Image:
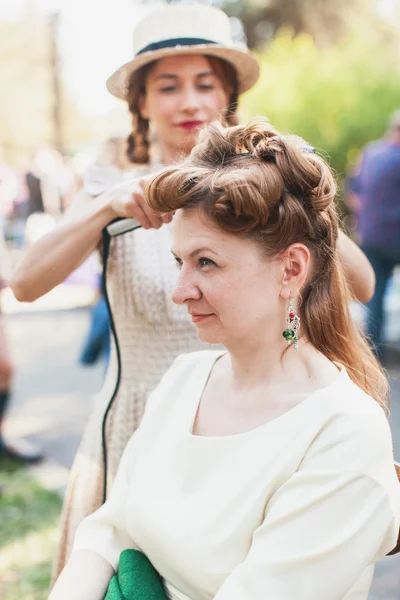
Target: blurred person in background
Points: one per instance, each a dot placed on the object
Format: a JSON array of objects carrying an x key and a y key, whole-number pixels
[
  {"x": 9, "y": 191},
  {"x": 35, "y": 198},
  {"x": 186, "y": 73},
  {"x": 58, "y": 180},
  {"x": 49, "y": 182},
  {"x": 21, "y": 450},
  {"x": 376, "y": 186},
  {"x": 97, "y": 346}
]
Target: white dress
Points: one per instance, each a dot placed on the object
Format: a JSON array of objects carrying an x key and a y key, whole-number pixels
[{"x": 299, "y": 508}]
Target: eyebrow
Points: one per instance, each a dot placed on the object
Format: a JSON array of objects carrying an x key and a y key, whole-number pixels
[
  {"x": 173, "y": 76},
  {"x": 197, "y": 251},
  {"x": 207, "y": 74},
  {"x": 166, "y": 76}
]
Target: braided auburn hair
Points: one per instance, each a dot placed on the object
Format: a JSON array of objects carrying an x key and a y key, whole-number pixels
[{"x": 138, "y": 142}]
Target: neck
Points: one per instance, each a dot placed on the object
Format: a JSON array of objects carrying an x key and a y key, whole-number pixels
[{"x": 260, "y": 362}]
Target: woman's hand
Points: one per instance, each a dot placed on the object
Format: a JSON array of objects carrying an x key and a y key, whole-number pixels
[
  {"x": 127, "y": 201},
  {"x": 55, "y": 256}
]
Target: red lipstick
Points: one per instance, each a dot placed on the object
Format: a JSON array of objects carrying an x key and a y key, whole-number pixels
[{"x": 190, "y": 124}]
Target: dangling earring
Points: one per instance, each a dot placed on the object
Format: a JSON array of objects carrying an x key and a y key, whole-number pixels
[{"x": 291, "y": 334}]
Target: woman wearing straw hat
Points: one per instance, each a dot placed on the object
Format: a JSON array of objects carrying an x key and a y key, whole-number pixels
[{"x": 186, "y": 72}]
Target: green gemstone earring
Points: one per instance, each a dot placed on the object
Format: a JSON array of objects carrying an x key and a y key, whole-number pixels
[{"x": 291, "y": 333}]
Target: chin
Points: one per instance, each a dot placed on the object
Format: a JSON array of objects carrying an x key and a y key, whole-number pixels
[
  {"x": 190, "y": 139},
  {"x": 209, "y": 337}
]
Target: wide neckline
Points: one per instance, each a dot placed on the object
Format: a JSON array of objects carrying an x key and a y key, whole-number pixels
[{"x": 342, "y": 375}]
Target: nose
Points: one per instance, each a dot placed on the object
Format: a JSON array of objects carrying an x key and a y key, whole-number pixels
[
  {"x": 185, "y": 289},
  {"x": 190, "y": 99}
]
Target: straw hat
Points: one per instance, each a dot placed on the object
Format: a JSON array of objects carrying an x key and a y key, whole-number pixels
[{"x": 181, "y": 29}]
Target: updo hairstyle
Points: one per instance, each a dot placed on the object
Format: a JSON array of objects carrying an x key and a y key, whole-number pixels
[{"x": 252, "y": 181}]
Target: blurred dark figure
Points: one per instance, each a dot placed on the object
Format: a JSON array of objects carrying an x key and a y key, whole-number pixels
[
  {"x": 97, "y": 343},
  {"x": 24, "y": 452},
  {"x": 35, "y": 199},
  {"x": 376, "y": 184},
  {"x": 8, "y": 191}
]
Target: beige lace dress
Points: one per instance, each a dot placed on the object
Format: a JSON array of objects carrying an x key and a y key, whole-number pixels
[{"x": 151, "y": 332}]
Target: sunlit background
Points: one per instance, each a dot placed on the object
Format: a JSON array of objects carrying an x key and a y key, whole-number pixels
[
  {"x": 330, "y": 73},
  {"x": 330, "y": 69}
]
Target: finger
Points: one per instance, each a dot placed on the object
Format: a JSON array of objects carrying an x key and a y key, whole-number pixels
[
  {"x": 141, "y": 217},
  {"x": 153, "y": 216},
  {"x": 167, "y": 217},
  {"x": 135, "y": 207}
]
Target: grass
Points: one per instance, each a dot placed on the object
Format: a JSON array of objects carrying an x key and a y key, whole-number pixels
[{"x": 28, "y": 534}]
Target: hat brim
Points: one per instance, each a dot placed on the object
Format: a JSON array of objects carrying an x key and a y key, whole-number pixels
[{"x": 244, "y": 61}]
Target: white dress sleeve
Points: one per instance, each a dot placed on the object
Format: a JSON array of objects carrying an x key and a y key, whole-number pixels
[
  {"x": 104, "y": 532},
  {"x": 99, "y": 178},
  {"x": 328, "y": 523}
]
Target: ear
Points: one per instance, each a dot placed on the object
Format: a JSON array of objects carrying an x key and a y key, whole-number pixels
[
  {"x": 296, "y": 263},
  {"x": 143, "y": 106}
]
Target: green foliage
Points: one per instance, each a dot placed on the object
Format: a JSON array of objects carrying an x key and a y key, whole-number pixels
[
  {"x": 28, "y": 516},
  {"x": 337, "y": 99},
  {"x": 325, "y": 20}
]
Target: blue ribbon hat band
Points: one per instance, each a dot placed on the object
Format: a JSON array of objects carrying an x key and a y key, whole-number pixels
[{"x": 173, "y": 43}]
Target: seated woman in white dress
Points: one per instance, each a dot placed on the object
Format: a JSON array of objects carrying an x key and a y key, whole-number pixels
[{"x": 263, "y": 472}]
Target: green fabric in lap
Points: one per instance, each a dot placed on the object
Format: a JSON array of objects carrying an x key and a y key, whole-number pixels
[{"x": 136, "y": 579}]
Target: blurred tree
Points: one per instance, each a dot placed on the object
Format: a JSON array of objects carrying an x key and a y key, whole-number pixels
[
  {"x": 24, "y": 76},
  {"x": 26, "y": 102},
  {"x": 325, "y": 20},
  {"x": 338, "y": 98}
]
